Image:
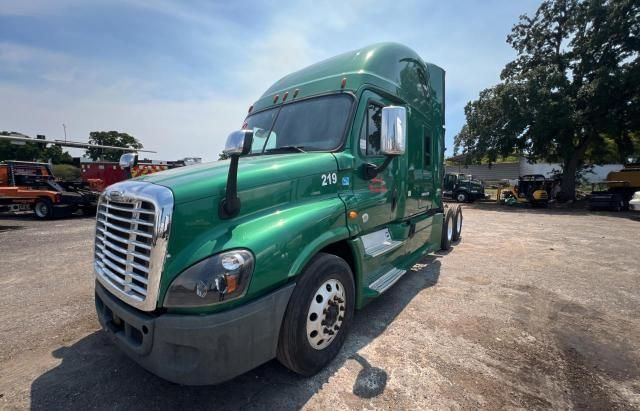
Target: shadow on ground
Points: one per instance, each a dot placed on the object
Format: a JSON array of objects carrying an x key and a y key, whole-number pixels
[{"x": 94, "y": 374}]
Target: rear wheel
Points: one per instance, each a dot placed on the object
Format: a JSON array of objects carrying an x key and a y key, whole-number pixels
[
  {"x": 43, "y": 208},
  {"x": 318, "y": 316},
  {"x": 447, "y": 231},
  {"x": 457, "y": 231}
]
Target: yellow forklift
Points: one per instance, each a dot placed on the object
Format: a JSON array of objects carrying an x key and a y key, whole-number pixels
[{"x": 530, "y": 189}]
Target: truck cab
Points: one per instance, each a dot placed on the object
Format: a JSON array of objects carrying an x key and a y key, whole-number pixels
[
  {"x": 462, "y": 188},
  {"x": 331, "y": 191}
]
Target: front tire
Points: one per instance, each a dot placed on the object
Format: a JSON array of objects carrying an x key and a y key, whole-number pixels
[{"x": 318, "y": 316}]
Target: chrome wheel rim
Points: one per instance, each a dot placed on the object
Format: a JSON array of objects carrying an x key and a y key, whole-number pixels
[
  {"x": 41, "y": 209},
  {"x": 460, "y": 197},
  {"x": 459, "y": 223},
  {"x": 326, "y": 314},
  {"x": 449, "y": 232}
]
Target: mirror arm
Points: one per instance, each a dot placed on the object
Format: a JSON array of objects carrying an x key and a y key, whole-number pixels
[
  {"x": 230, "y": 204},
  {"x": 371, "y": 170}
]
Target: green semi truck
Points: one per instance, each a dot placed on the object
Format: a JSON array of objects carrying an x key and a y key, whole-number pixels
[{"x": 332, "y": 191}]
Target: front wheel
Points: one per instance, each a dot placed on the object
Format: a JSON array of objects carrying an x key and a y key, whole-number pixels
[{"x": 318, "y": 316}]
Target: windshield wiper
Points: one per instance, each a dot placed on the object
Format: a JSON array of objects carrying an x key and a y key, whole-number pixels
[{"x": 298, "y": 149}]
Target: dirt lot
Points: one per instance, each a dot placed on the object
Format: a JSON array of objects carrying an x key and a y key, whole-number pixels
[{"x": 533, "y": 309}]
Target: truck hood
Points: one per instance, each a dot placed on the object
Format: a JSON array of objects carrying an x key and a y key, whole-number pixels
[{"x": 206, "y": 180}]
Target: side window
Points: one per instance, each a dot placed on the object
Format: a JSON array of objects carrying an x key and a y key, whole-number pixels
[
  {"x": 370, "y": 131},
  {"x": 260, "y": 137},
  {"x": 427, "y": 149}
]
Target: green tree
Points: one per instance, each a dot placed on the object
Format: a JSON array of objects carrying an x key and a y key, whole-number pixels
[
  {"x": 110, "y": 138},
  {"x": 573, "y": 88}
]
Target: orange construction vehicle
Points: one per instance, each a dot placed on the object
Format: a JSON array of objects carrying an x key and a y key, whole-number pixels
[{"x": 32, "y": 186}]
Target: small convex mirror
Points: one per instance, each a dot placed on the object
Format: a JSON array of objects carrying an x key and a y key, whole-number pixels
[
  {"x": 393, "y": 132},
  {"x": 128, "y": 160},
  {"x": 238, "y": 143}
]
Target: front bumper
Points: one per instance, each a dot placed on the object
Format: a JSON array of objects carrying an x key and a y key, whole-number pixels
[{"x": 192, "y": 349}]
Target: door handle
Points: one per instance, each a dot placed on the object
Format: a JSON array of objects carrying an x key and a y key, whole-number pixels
[{"x": 394, "y": 199}]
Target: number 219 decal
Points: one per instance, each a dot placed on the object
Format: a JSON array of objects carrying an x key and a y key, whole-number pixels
[{"x": 329, "y": 178}]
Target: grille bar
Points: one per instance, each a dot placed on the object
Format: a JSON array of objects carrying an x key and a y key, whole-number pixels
[
  {"x": 119, "y": 260},
  {"x": 117, "y": 238},
  {"x": 121, "y": 250},
  {"x": 125, "y": 220},
  {"x": 115, "y": 227},
  {"x": 137, "y": 210},
  {"x": 113, "y": 267}
]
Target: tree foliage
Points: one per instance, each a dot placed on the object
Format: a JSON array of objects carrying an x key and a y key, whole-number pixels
[
  {"x": 110, "y": 138},
  {"x": 572, "y": 92}
]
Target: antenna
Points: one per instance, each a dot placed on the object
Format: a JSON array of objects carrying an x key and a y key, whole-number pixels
[{"x": 64, "y": 127}]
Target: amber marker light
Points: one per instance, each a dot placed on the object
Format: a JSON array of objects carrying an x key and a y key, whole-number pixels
[
  {"x": 295, "y": 93},
  {"x": 353, "y": 214},
  {"x": 275, "y": 98},
  {"x": 284, "y": 97},
  {"x": 343, "y": 83}
]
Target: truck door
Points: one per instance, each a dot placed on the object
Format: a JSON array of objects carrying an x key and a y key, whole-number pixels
[
  {"x": 420, "y": 179},
  {"x": 377, "y": 198}
]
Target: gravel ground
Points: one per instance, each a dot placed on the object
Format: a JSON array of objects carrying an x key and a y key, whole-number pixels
[{"x": 532, "y": 309}]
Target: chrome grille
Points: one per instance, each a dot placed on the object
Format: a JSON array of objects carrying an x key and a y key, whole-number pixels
[{"x": 132, "y": 224}]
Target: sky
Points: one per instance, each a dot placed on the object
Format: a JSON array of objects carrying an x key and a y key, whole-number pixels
[{"x": 180, "y": 75}]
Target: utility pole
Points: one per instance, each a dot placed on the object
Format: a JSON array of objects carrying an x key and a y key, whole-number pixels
[{"x": 64, "y": 126}]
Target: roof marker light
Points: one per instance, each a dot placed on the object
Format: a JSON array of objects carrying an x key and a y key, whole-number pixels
[
  {"x": 275, "y": 98},
  {"x": 343, "y": 83},
  {"x": 295, "y": 93},
  {"x": 284, "y": 97}
]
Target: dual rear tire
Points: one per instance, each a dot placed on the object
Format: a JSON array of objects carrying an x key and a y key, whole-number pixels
[{"x": 451, "y": 227}]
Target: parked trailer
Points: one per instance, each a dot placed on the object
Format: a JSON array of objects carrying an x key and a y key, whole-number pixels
[{"x": 331, "y": 194}]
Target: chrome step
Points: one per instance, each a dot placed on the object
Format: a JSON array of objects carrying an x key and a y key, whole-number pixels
[{"x": 388, "y": 279}]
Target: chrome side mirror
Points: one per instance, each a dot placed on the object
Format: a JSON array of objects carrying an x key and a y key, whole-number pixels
[
  {"x": 238, "y": 143},
  {"x": 128, "y": 160},
  {"x": 393, "y": 132}
]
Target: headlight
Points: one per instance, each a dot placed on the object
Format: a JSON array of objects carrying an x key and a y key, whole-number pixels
[{"x": 221, "y": 277}]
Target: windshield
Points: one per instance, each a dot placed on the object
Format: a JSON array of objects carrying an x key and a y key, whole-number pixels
[{"x": 316, "y": 124}]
